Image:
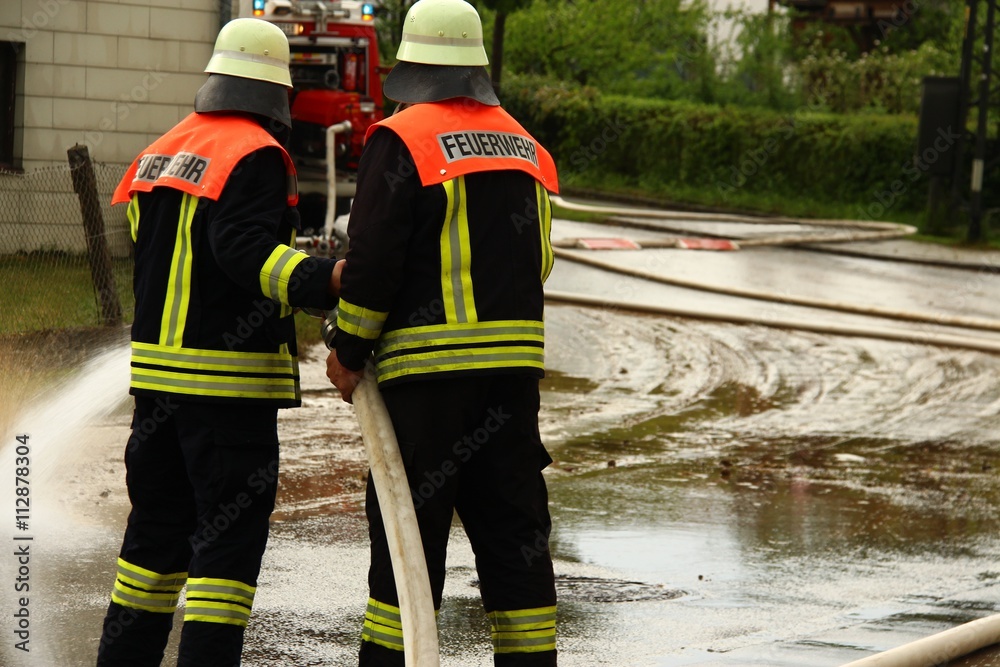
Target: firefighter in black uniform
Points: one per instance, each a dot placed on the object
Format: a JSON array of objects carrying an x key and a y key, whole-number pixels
[
  {"x": 211, "y": 208},
  {"x": 449, "y": 248}
]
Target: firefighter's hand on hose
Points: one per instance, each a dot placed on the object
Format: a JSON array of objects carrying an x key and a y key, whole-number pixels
[
  {"x": 338, "y": 269},
  {"x": 343, "y": 378}
]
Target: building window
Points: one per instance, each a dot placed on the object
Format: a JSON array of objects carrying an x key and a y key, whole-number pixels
[{"x": 9, "y": 57}]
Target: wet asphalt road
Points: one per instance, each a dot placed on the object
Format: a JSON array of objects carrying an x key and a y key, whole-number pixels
[{"x": 722, "y": 494}]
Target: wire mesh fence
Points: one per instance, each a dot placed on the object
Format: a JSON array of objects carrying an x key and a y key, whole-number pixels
[{"x": 56, "y": 271}]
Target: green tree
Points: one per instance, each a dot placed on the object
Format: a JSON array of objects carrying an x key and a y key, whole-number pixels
[
  {"x": 501, "y": 9},
  {"x": 389, "y": 27},
  {"x": 653, "y": 48},
  {"x": 754, "y": 60},
  {"x": 931, "y": 22}
]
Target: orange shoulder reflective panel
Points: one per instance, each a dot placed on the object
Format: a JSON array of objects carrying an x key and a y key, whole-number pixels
[
  {"x": 457, "y": 137},
  {"x": 198, "y": 155}
]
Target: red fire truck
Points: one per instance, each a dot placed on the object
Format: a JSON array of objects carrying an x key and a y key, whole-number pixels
[{"x": 337, "y": 94}]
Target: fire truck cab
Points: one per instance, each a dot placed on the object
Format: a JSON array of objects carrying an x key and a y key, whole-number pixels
[{"x": 335, "y": 78}]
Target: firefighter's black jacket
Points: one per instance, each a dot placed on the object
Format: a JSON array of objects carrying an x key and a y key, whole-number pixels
[
  {"x": 447, "y": 279},
  {"x": 215, "y": 332}
]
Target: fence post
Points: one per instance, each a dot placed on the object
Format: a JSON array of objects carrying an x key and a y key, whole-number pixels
[{"x": 85, "y": 186}]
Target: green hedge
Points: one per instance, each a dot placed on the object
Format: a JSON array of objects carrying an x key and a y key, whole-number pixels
[{"x": 723, "y": 155}]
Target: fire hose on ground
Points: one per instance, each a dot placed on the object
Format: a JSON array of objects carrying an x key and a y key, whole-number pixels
[
  {"x": 938, "y": 649},
  {"x": 844, "y": 230},
  {"x": 866, "y": 231}
]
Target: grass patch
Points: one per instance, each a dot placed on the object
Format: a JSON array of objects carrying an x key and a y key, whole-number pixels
[
  {"x": 679, "y": 197},
  {"x": 54, "y": 291},
  {"x": 958, "y": 240},
  {"x": 579, "y": 216}
]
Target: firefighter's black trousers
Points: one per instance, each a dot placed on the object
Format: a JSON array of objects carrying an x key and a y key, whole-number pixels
[
  {"x": 202, "y": 480},
  {"x": 471, "y": 445}
]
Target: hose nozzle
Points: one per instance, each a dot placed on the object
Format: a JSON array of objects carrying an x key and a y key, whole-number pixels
[{"x": 328, "y": 329}]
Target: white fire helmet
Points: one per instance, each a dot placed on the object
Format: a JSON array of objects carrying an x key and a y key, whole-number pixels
[
  {"x": 442, "y": 32},
  {"x": 251, "y": 49}
]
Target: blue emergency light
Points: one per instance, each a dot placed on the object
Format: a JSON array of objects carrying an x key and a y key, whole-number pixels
[
  {"x": 258, "y": 7},
  {"x": 367, "y": 11}
]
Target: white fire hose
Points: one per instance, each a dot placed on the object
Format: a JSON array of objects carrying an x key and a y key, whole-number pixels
[
  {"x": 409, "y": 567},
  {"x": 331, "y": 172},
  {"x": 938, "y": 649}
]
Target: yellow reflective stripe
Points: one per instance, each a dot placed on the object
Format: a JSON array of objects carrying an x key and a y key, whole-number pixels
[
  {"x": 175, "y": 306},
  {"x": 447, "y": 286},
  {"x": 360, "y": 321},
  {"x": 213, "y": 360},
  {"x": 384, "y": 614},
  {"x": 545, "y": 228},
  {"x": 382, "y": 635},
  {"x": 383, "y": 625},
  {"x": 133, "y": 217},
  {"x": 221, "y": 589},
  {"x": 144, "y": 589},
  {"x": 146, "y": 597},
  {"x": 523, "y": 619},
  {"x": 137, "y": 602},
  {"x": 141, "y": 577},
  {"x": 459, "y": 360},
  {"x": 277, "y": 271},
  {"x": 456, "y": 256},
  {"x": 524, "y": 630},
  {"x": 214, "y": 385},
  {"x": 207, "y": 611},
  {"x": 286, "y": 310},
  {"x": 224, "y": 583},
  {"x": 283, "y": 349},
  {"x": 491, "y": 331},
  {"x": 524, "y": 642}
]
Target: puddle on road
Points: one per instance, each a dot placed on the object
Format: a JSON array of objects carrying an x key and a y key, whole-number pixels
[
  {"x": 596, "y": 589},
  {"x": 721, "y": 495}
]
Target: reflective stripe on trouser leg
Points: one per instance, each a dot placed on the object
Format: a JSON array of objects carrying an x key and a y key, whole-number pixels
[
  {"x": 383, "y": 625},
  {"x": 218, "y": 601},
  {"x": 144, "y": 589},
  {"x": 524, "y": 630}
]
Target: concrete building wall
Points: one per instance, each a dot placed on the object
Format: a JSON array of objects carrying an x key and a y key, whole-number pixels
[{"x": 111, "y": 74}]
